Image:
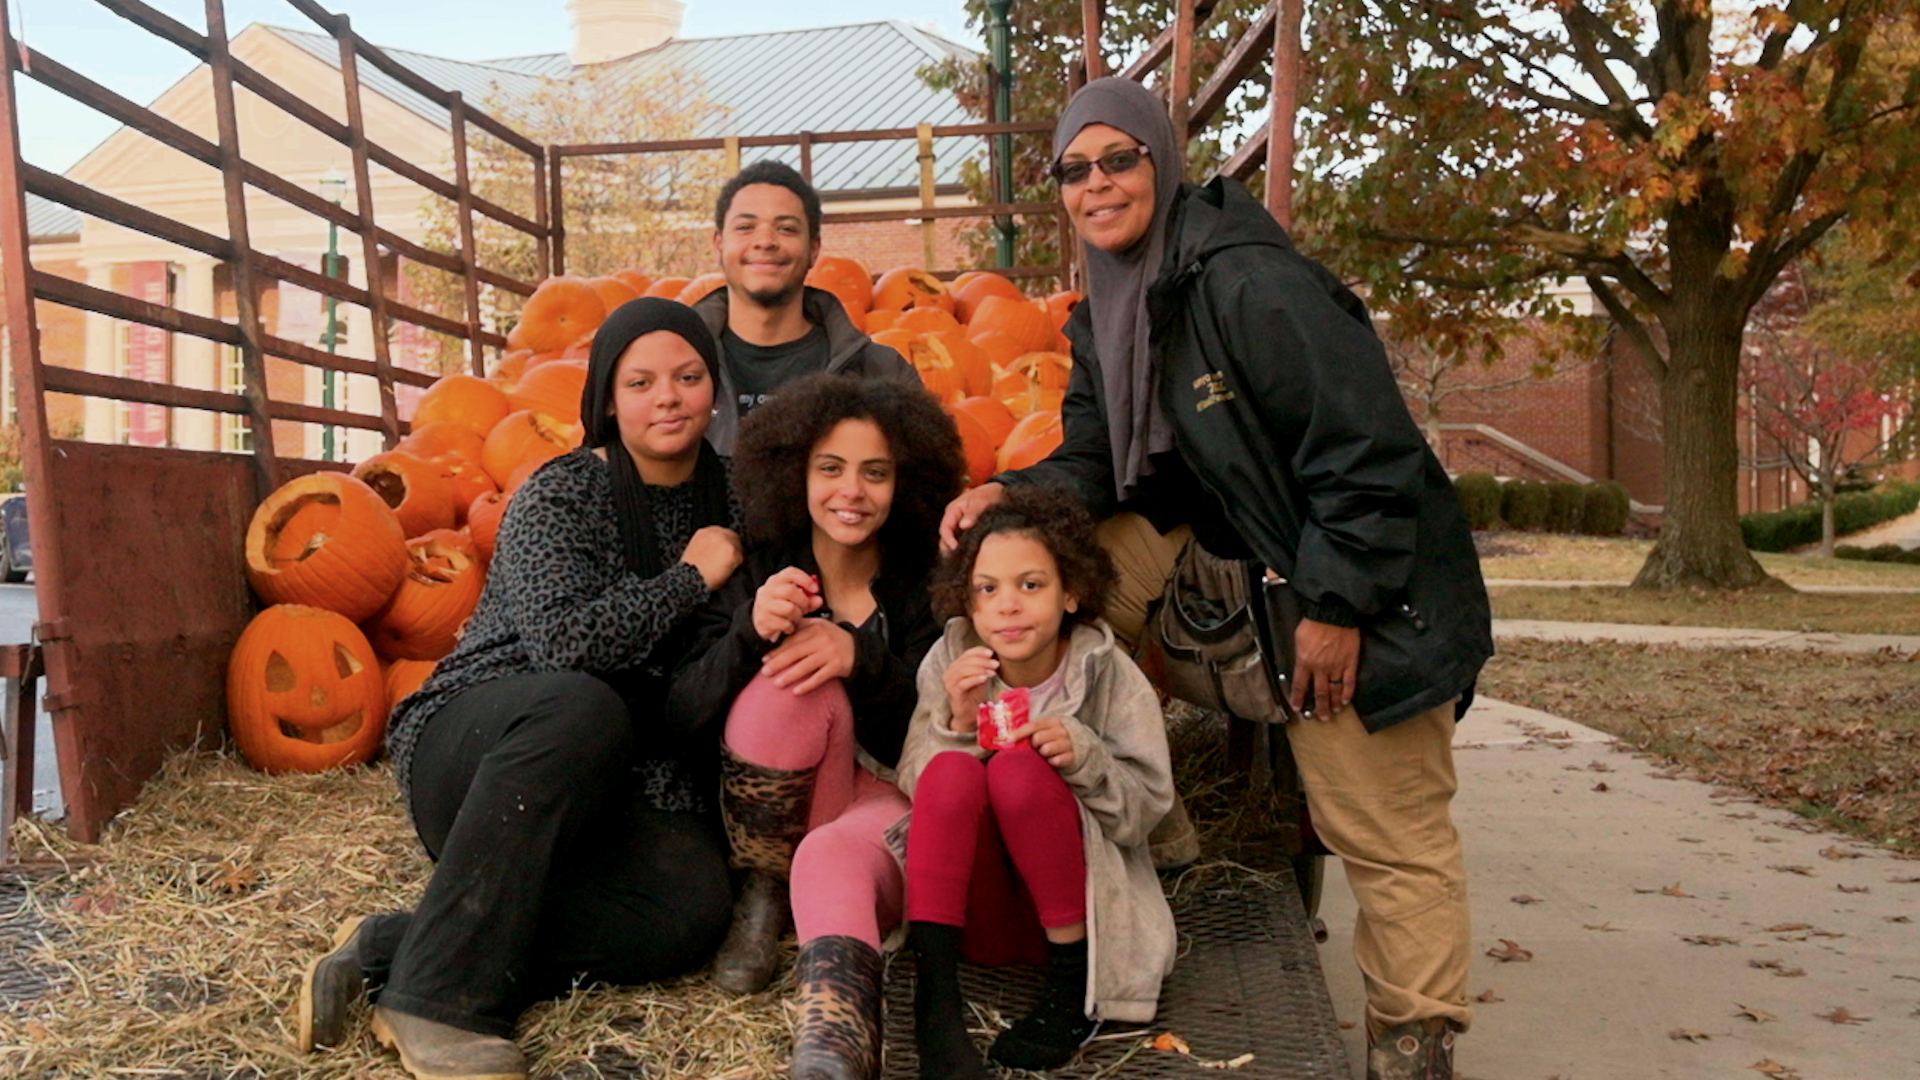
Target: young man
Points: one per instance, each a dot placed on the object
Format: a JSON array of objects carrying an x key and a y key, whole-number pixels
[{"x": 773, "y": 328}]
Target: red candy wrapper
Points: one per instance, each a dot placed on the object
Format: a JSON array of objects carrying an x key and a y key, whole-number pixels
[{"x": 1002, "y": 717}]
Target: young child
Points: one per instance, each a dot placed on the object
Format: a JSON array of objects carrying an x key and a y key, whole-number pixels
[{"x": 1040, "y": 848}]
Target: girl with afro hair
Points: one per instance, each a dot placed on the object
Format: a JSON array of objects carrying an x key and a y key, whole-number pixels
[{"x": 843, "y": 482}]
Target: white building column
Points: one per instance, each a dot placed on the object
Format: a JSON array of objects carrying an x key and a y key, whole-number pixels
[
  {"x": 197, "y": 362},
  {"x": 103, "y": 336}
]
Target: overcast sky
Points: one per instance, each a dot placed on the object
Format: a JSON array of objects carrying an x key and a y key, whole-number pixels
[{"x": 84, "y": 36}]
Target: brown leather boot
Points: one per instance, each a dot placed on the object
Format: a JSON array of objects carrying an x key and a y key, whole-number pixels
[
  {"x": 329, "y": 988},
  {"x": 431, "y": 1050},
  {"x": 838, "y": 1034},
  {"x": 1415, "y": 1050},
  {"x": 766, "y": 815},
  {"x": 1174, "y": 842}
]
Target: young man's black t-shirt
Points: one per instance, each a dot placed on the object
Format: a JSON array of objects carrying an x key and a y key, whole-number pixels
[{"x": 759, "y": 370}]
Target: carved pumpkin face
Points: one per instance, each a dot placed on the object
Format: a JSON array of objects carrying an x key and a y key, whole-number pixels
[
  {"x": 304, "y": 692},
  {"x": 327, "y": 540}
]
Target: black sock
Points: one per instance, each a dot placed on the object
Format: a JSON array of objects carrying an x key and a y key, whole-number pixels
[
  {"x": 1047, "y": 1037},
  {"x": 939, "y": 1011}
]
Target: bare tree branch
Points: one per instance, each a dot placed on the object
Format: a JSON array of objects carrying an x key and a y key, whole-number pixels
[{"x": 1629, "y": 324}]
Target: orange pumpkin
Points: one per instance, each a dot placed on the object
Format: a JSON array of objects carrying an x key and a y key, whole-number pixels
[
  {"x": 613, "y": 292},
  {"x": 304, "y": 692},
  {"x": 977, "y": 443},
  {"x": 907, "y": 287},
  {"x": 553, "y": 388},
  {"x": 1048, "y": 370},
  {"x": 470, "y": 481},
  {"x": 954, "y": 350},
  {"x": 900, "y": 341},
  {"x": 507, "y": 371},
  {"x": 943, "y": 383},
  {"x": 1031, "y": 440},
  {"x": 635, "y": 280},
  {"x": 992, "y": 414},
  {"x": 1023, "y": 321},
  {"x": 926, "y": 320},
  {"x": 521, "y": 438},
  {"x": 559, "y": 311},
  {"x": 668, "y": 288},
  {"x": 1060, "y": 307},
  {"x": 328, "y": 541},
  {"x": 472, "y": 402},
  {"x": 976, "y": 287},
  {"x": 879, "y": 321},
  {"x": 417, "y": 489},
  {"x": 1000, "y": 350},
  {"x": 444, "y": 440},
  {"x": 846, "y": 279},
  {"x": 442, "y": 587},
  {"x": 483, "y": 521},
  {"x": 699, "y": 287},
  {"x": 404, "y": 677}
]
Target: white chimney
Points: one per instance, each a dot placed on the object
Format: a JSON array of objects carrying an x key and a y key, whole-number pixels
[{"x": 610, "y": 29}]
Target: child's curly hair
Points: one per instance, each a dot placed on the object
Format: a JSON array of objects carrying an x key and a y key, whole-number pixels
[
  {"x": 777, "y": 440},
  {"x": 1060, "y": 523}
]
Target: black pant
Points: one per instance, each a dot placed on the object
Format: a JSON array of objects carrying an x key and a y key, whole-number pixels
[{"x": 549, "y": 868}]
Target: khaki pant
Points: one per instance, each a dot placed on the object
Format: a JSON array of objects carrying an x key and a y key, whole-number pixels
[{"x": 1380, "y": 802}]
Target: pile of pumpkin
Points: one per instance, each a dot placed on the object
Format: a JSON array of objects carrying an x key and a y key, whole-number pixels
[{"x": 371, "y": 576}]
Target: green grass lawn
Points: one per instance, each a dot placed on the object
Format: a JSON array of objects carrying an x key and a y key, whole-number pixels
[{"x": 1541, "y": 556}]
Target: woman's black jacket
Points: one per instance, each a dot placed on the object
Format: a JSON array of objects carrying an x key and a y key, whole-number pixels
[
  {"x": 886, "y": 656},
  {"x": 1284, "y": 407}
]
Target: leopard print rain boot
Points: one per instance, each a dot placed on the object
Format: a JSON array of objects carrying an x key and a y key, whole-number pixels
[
  {"x": 1415, "y": 1050},
  {"x": 837, "y": 1036},
  {"x": 766, "y": 815}
]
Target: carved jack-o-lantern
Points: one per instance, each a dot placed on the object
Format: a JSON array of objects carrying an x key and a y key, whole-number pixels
[{"x": 304, "y": 692}]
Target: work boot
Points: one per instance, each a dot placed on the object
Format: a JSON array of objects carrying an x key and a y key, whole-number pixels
[
  {"x": 1058, "y": 1026},
  {"x": 838, "y": 1033},
  {"x": 766, "y": 815},
  {"x": 940, "y": 1035},
  {"x": 431, "y": 1050},
  {"x": 332, "y": 983},
  {"x": 1415, "y": 1050},
  {"x": 1174, "y": 842}
]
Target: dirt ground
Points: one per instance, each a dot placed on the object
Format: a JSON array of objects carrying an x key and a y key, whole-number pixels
[
  {"x": 1840, "y": 613},
  {"x": 1545, "y": 556}
]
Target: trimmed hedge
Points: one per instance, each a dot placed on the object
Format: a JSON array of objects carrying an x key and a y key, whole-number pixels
[
  {"x": 1605, "y": 509},
  {"x": 1526, "y": 505},
  {"x": 1887, "y": 553},
  {"x": 1783, "y": 530},
  {"x": 1565, "y": 504},
  {"x": 1480, "y": 497}
]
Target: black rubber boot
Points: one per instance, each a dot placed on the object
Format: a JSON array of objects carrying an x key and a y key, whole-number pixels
[
  {"x": 1058, "y": 1026},
  {"x": 766, "y": 816},
  {"x": 939, "y": 1011},
  {"x": 838, "y": 1034}
]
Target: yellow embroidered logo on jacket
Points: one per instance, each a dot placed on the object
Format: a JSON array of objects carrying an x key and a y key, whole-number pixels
[{"x": 1215, "y": 384}]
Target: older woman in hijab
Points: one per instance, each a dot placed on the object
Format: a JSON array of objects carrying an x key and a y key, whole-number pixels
[
  {"x": 570, "y": 824},
  {"x": 1229, "y": 392}
]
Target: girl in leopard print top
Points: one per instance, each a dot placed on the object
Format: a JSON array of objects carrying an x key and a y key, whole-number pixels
[{"x": 563, "y": 809}]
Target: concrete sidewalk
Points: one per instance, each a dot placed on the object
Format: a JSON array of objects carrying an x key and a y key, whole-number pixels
[
  {"x": 1655, "y": 906},
  {"x": 1705, "y": 636}
]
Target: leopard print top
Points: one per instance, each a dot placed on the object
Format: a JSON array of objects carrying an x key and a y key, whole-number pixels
[{"x": 559, "y": 597}]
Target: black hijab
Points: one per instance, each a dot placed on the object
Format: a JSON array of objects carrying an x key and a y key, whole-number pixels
[
  {"x": 1117, "y": 281},
  {"x": 631, "y": 502}
]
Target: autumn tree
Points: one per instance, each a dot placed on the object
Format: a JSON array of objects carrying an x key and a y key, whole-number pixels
[
  {"x": 650, "y": 212},
  {"x": 1674, "y": 156}
]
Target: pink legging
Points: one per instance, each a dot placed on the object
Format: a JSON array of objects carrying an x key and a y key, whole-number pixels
[
  {"x": 845, "y": 879},
  {"x": 995, "y": 847}
]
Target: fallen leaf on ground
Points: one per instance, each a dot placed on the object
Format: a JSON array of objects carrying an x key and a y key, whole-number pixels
[
  {"x": 1904, "y": 880},
  {"x": 1709, "y": 939},
  {"x": 1523, "y": 898},
  {"x": 1675, "y": 890},
  {"x": 1839, "y": 1015},
  {"x": 1824, "y": 933},
  {"x": 1837, "y": 853},
  {"x": 1510, "y": 951},
  {"x": 1744, "y": 815},
  {"x": 1788, "y": 927},
  {"x": 1668, "y": 776},
  {"x": 1758, "y": 1016},
  {"x": 1691, "y": 840},
  {"x": 1688, "y": 1034},
  {"x": 1898, "y": 918},
  {"x": 1604, "y": 928},
  {"x": 1488, "y": 997},
  {"x": 1167, "y": 1040},
  {"x": 1778, "y": 967},
  {"x": 1853, "y": 888},
  {"x": 1775, "y": 1070},
  {"x": 1803, "y": 871},
  {"x": 1602, "y": 786}
]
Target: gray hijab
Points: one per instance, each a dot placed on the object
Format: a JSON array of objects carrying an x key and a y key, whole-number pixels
[{"x": 1117, "y": 281}]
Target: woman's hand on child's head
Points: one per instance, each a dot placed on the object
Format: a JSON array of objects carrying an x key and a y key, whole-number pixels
[
  {"x": 1051, "y": 740},
  {"x": 715, "y": 552},
  {"x": 816, "y": 651},
  {"x": 966, "y": 681},
  {"x": 783, "y": 602}
]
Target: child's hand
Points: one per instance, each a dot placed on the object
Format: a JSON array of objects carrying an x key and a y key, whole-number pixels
[
  {"x": 786, "y": 598},
  {"x": 966, "y": 682},
  {"x": 1050, "y": 739}
]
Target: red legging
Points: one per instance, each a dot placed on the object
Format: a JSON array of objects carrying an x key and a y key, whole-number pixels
[{"x": 994, "y": 846}]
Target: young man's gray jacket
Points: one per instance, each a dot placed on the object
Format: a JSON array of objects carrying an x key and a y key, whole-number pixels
[
  {"x": 850, "y": 352},
  {"x": 1283, "y": 405}
]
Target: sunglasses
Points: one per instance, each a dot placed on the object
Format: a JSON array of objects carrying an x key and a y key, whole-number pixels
[{"x": 1069, "y": 173}]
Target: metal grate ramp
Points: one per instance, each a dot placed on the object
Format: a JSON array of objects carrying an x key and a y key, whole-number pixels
[
  {"x": 22, "y": 930},
  {"x": 1247, "y": 980}
]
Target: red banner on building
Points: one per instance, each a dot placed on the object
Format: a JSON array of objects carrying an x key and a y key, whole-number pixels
[{"x": 149, "y": 352}]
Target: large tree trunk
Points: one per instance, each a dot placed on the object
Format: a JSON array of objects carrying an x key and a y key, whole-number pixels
[
  {"x": 1828, "y": 495},
  {"x": 1700, "y": 545}
]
